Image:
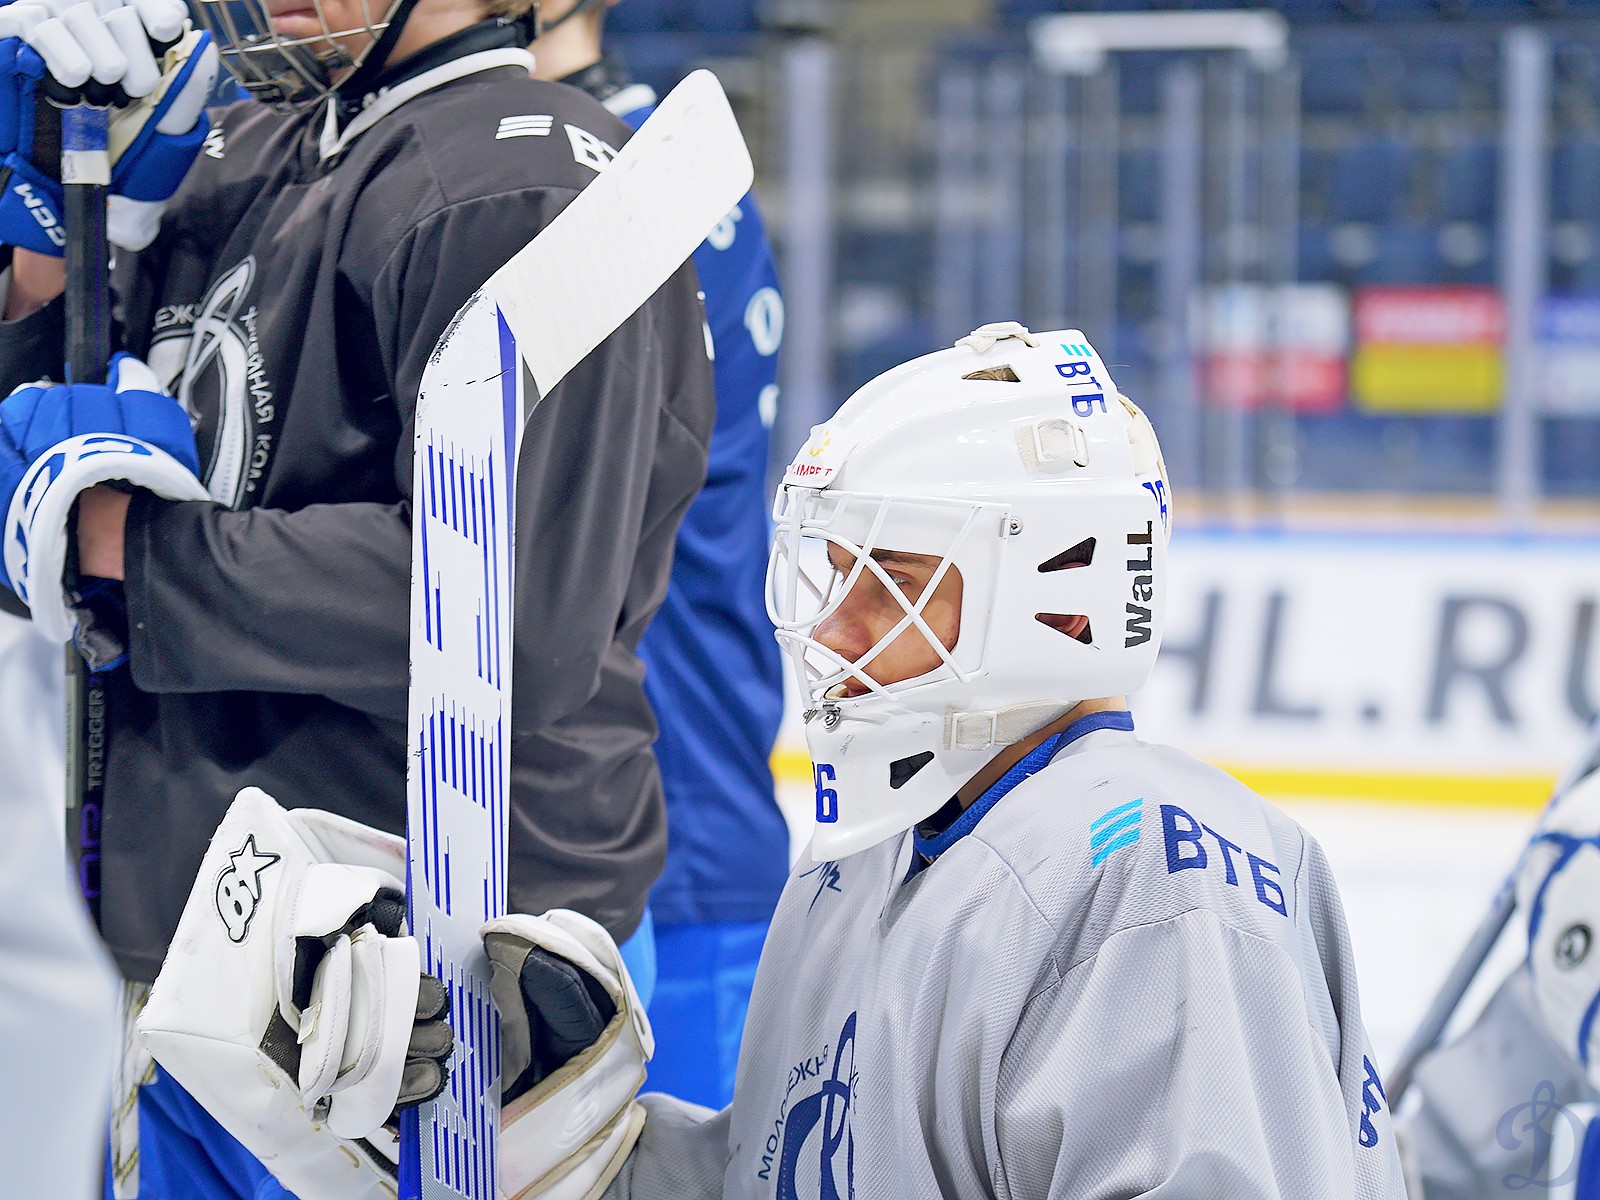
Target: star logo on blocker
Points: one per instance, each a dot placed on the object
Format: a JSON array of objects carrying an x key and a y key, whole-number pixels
[
  {"x": 239, "y": 887},
  {"x": 248, "y": 863}
]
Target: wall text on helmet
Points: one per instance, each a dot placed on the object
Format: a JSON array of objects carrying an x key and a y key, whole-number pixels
[{"x": 1143, "y": 586}]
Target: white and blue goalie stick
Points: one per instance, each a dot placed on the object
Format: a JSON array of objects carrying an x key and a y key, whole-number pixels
[{"x": 612, "y": 247}]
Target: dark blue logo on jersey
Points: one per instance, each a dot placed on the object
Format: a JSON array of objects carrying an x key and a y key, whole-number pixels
[
  {"x": 1533, "y": 1130},
  {"x": 1186, "y": 851},
  {"x": 1372, "y": 1100},
  {"x": 818, "y": 1160},
  {"x": 827, "y": 881}
]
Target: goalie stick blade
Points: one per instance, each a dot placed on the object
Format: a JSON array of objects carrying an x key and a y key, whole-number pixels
[
  {"x": 610, "y": 249},
  {"x": 690, "y": 165},
  {"x": 459, "y": 726}
]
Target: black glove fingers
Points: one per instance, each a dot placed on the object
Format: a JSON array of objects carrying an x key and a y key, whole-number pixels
[
  {"x": 431, "y": 1039},
  {"x": 423, "y": 1079},
  {"x": 386, "y": 912},
  {"x": 433, "y": 1001},
  {"x": 573, "y": 1009},
  {"x": 431, "y": 1044}
]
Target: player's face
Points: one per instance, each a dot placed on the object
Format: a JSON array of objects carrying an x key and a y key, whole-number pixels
[
  {"x": 870, "y": 611},
  {"x": 427, "y": 22},
  {"x": 296, "y": 19}
]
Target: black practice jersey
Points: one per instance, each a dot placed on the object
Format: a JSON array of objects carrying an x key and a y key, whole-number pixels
[{"x": 292, "y": 299}]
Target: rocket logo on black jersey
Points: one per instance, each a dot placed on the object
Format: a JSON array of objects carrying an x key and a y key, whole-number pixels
[{"x": 209, "y": 356}]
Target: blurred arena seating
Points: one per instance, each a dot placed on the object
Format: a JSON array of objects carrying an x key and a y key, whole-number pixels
[{"x": 1399, "y": 169}]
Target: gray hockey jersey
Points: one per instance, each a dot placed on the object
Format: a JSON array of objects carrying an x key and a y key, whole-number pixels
[{"x": 1132, "y": 977}]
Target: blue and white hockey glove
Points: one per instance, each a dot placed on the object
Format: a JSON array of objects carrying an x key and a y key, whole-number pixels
[
  {"x": 142, "y": 57},
  {"x": 574, "y": 1041},
  {"x": 58, "y": 439}
]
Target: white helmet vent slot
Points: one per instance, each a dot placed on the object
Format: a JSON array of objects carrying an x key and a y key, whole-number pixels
[
  {"x": 1081, "y": 555},
  {"x": 1000, "y": 374},
  {"x": 902, "y": 770},
  {"x": 1062, "y": 624}
]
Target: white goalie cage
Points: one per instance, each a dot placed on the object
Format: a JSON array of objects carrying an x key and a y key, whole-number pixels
[{"x": 805, "y": 586}]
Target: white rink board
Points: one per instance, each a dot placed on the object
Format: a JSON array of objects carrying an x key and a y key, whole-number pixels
[{"x": 1378, "y": 653}]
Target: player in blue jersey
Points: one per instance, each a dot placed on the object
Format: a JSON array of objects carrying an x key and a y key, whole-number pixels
[{"x": 713, "y": 675}]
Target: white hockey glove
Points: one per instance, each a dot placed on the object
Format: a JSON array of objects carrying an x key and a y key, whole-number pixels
[
  {"x": 1558, "y": 887},
  {"x": 574, "y": 1041},
  {"x": 289, "y": 1007}
]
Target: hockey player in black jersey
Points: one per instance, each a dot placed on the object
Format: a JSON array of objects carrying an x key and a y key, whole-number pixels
[{"x": 326, "y": 233}]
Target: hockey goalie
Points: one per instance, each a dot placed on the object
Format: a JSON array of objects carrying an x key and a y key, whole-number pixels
[{"x": 1028, "y": 955}]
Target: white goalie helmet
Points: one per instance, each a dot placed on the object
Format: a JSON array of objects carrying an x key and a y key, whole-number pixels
[{"x": 1014, "y": 460}]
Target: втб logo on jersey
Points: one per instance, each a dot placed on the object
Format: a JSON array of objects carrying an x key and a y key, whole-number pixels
[
  {"x": 239, "y": 887},
  {"x": 210, "y": 358},
  {"x": 532, "y": 125},
  {"x": 1115, "y": 829}
]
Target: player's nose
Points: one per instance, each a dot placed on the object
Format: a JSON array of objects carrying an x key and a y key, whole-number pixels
[{"x": 844, "y": 632}]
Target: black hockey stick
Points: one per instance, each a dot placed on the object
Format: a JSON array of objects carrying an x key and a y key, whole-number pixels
[
  {"x": 85, "y": 179},
  {"x": 1476, "y": 952}
]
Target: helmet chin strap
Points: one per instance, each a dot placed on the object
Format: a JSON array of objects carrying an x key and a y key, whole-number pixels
[
  {"x": 372, "y": 62},
  {"x": 1000, "y": 727}
]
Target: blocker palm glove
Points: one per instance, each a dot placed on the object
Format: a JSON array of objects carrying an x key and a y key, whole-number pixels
[
  {"x": 144, "y": 58},
  {"x": 291, "y": 1003},
  {"x": 574, "y": 1040},
  {"x": 58, "y": 439}
]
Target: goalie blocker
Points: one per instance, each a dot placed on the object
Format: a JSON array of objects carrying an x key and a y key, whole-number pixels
[{"x": 292, "y": 1005}]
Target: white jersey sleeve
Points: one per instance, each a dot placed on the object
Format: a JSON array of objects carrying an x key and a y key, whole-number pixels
[
  {"x": 682, "y": 1153},
  {"x": 58, "y": 994}
]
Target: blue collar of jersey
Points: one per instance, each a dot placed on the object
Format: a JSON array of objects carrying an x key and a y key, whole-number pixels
[{"x": 1030, "y": 764}]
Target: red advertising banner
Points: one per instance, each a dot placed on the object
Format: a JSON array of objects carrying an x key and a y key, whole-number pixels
[{"x": 1282, "y": 346}]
